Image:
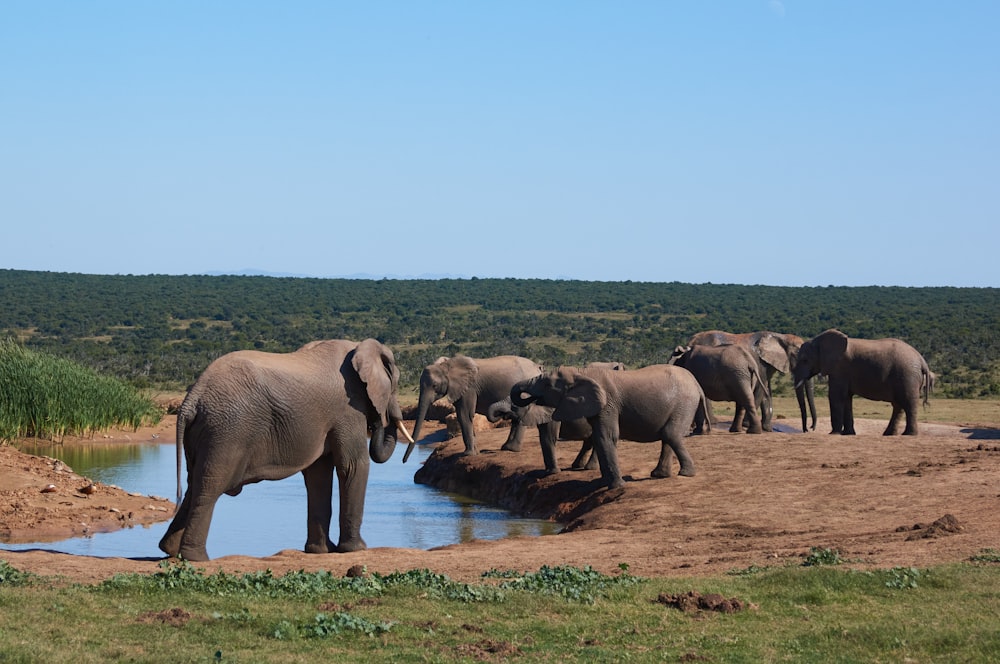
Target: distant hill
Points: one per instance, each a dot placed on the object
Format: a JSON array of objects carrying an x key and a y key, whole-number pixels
[{"x": 161, "y": 331}]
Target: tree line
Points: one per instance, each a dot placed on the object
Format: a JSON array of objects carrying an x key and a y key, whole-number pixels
[{"x": 160, "y": 331}]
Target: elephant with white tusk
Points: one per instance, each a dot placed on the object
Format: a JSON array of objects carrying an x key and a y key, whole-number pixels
[
  {"x": 877, "y": 369},
  {"x": 255, "y": 416}
]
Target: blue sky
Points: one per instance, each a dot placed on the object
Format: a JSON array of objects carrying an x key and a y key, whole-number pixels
[{"x": 785, "y": 143}]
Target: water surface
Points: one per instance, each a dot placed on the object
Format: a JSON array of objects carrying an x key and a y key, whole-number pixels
[{"x": 270, "y": 516}]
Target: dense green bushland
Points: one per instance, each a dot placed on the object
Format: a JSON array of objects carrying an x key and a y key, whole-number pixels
[
  {"x": 48, "y": 397},
  {"x": 819, "y": 612},
  {"x": 161, "y": 331}
]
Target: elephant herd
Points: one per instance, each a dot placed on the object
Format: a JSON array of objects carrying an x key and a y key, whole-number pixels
[{"x": 331, "y": 407}]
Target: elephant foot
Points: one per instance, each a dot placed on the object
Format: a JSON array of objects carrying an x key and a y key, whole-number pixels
[
  {"x": 354, "y": 544},
  {"x": 470, "y": 452},
  {"x": 686, "y": 472},
  {"x": 616, "y": 483},
  {"x": 511, "y": 447},
  {"x": 194, "y": 554},
  {"x": 755, "y": 430},
  {"x": 660, "y": 474},
  {"x": 171, "y": 543},
  {"x": 313, "y": 547},
  {"x": 551, "y": 471}
]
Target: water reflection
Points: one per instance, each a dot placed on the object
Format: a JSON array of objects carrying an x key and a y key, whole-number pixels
[{"x": 270, "y": 516}]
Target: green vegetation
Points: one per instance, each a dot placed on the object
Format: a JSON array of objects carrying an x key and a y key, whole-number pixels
[
  {"x": 48, "y": 397},
  {"x": 161, "y": 331},
  {"x": 792, "y": 613}
]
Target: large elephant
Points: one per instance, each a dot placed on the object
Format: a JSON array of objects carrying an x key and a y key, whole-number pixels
[
  {"x": 877, "y": 369},
  {"x": 727, "y": 373},
  {"x": 655, "y": 403},
  {"x": 255, "y": 416},
  {"x": 472, "y": 385},
  {"x": 779, "y": 353}
]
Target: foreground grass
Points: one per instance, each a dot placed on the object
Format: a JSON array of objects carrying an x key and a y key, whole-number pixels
[{"x": 819, "y": 613}]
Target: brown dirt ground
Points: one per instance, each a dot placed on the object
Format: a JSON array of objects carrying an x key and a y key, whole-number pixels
[{"x": 756, "y": 500}]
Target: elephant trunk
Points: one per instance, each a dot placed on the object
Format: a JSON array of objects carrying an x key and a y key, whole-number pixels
[
  {"x": 382, "y": 442},
  {"x": 805, "y": 391},
  {"x": 499, "y": 410},
  {"x": 520, "y": 394},
  {"x": 426, "y": 398},
  {"x": 384, "y": 438}
]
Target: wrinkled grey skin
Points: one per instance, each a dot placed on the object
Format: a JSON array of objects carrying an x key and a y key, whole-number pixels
[
  {"x": 779, "y": 353},
  {"x": 655, "y": 403},
  {"x": 541, "y": 417},
  {"x": 877, "y": 369},
  {"x": 727, "y": 373},
  {"x": 472, "y": 385},
  {"x": 255, "y": 416}
]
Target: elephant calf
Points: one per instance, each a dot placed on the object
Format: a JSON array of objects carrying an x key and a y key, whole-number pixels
[{"x": 877, "y": 369}]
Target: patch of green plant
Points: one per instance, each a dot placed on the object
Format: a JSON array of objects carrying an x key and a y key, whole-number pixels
[
  {"x": 578, "y": 584},
  {"x": 822, "y": 556},
  {"x": 986, "y": 556},
  {"x": 902, "y": 578},
  {"x": 182, "y": 575},
  {"x": 752, "y": 570},
  {"x": 11, "y": 576},
  {"x": 325, "y": 625}
]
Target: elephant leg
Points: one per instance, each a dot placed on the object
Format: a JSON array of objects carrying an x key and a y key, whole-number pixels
[
  {"x": 911, "y": 409},
  {"x": 513, "y": 443},
  {"x": 893, "y": 427},
  {"x": 849, "y": 416},
  {"x": 465, "y": 411},
  {"x": 547, "y": 437},
  {"x": 353, "y": 477},
  {"x": 756, "y": 426},
  {"x": 664, "y": 466},
  {"x": 586, "y": 458},
  {"x": 605, "y": 444},
  {"x": 170, "y": 543},
  {"x": 736, "y": 427},
  {"x": 319, "y": 512},
  {"x": 836, "y": 410},
  {"x": 195, "y": 535},
  {"x": 673, "y": 444}
]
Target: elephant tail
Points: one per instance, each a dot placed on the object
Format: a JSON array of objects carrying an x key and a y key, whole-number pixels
[
  {"x": 185, "y": 414},
  {"x": 928, "y": 384},
  {"x": 704, "y": 408}
]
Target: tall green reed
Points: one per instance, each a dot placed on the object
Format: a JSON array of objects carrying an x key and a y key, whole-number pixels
[{"x": 50, "y": 397}]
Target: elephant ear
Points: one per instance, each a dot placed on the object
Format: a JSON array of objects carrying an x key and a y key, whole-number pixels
[
  {"x": 376, "y": 366},
  {"x": 462, "y": 374},
  {"x": 536, "y": 414},
  {"x": 773, "y": 353},
  {"x": 582, "y": 397},
  {"x": 832, "y": 345}
]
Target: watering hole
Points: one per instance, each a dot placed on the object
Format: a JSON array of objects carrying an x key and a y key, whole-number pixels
[{"x": 270, "y": 516}]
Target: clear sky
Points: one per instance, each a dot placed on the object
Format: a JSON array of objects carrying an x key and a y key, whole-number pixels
[{"x": 782, "y": 142}]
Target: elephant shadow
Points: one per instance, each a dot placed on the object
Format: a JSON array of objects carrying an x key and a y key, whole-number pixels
[{"x": 982, "y": 433}]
